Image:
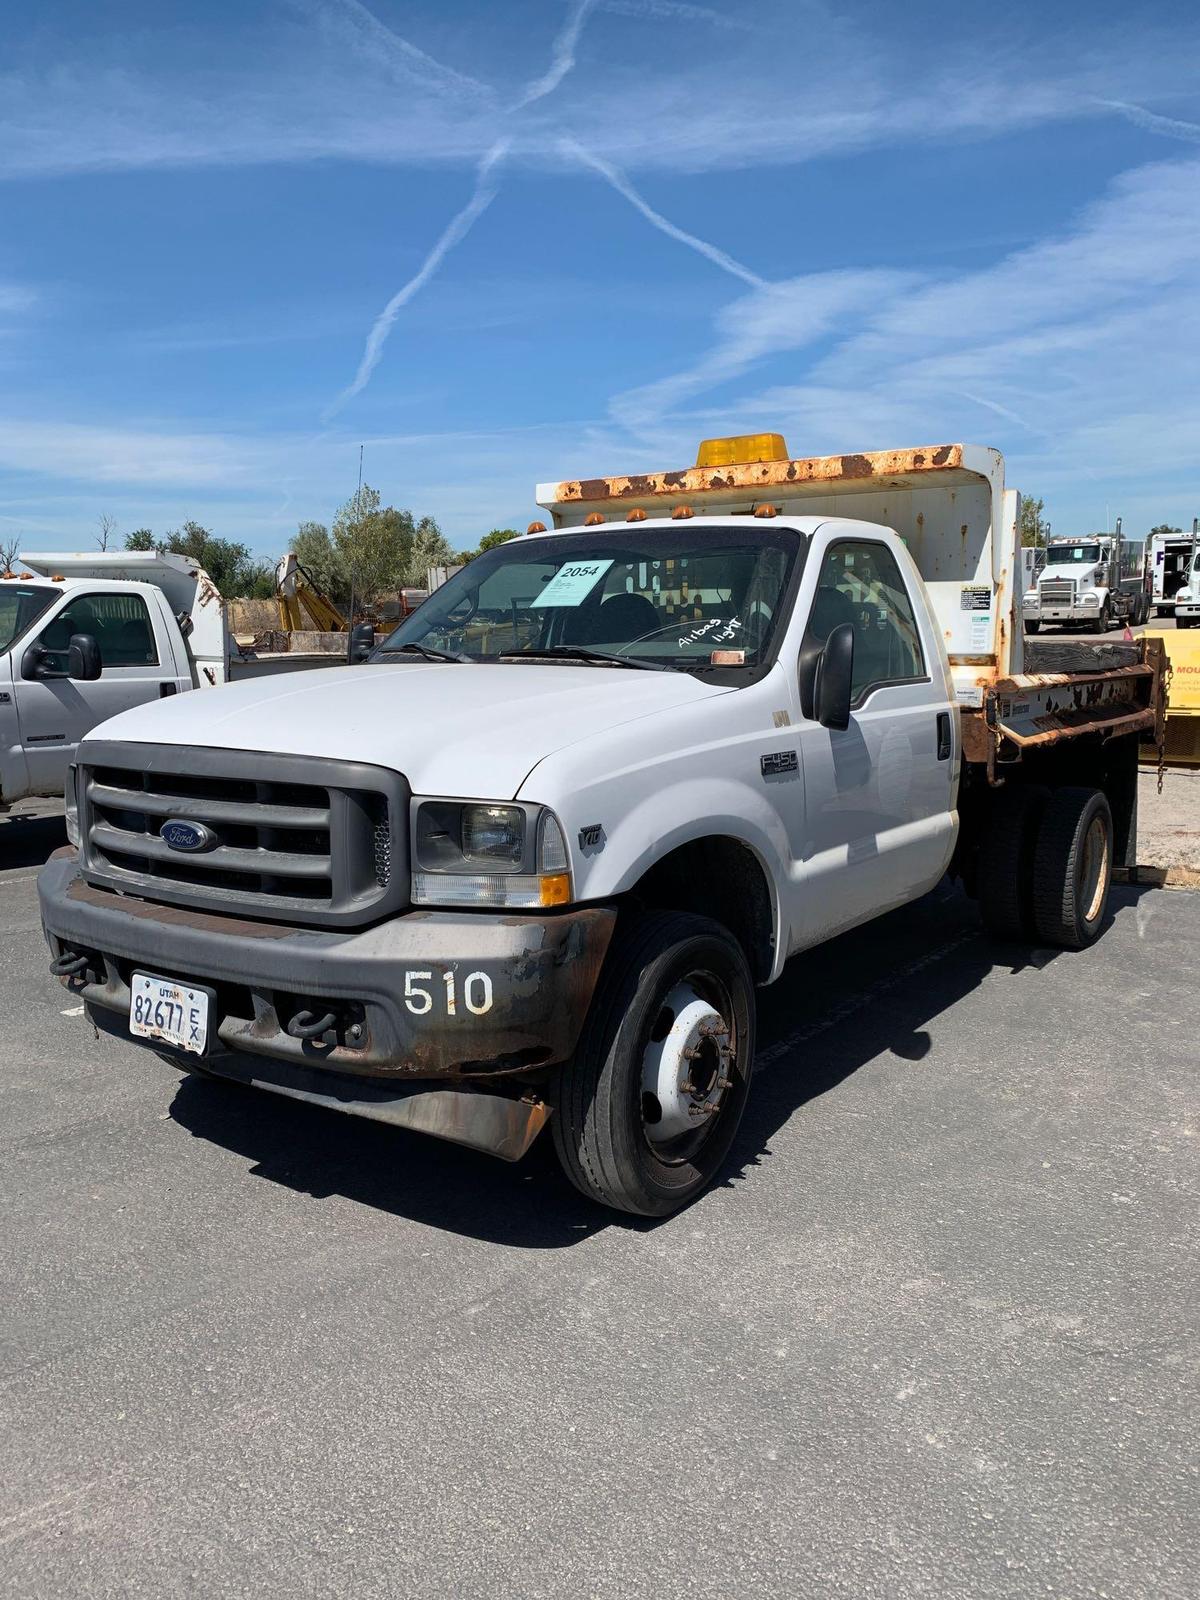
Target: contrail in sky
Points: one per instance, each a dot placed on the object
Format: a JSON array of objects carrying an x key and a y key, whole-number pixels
[
  {"x": 623, "y": 187},
  {"x": 562, "y": 60},
  {"x": 389, "y": 48},
  {"x": 456, "y": 230},
  {"x": 562, "y": 57},
  {"x": 1172, "y": 127}
]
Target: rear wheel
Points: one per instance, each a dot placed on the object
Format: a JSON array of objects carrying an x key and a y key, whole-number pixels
[
  {"x": 1005, "y": 883},
  {"x": 1072, "y": 867},
  {"x": 647, "y": 1109}
]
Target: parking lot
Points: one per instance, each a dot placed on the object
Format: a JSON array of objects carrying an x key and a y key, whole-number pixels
[{"x": 934, "y": 1334}]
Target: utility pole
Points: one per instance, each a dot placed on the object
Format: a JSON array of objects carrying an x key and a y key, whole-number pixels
[{"x": 358, "y": 519}]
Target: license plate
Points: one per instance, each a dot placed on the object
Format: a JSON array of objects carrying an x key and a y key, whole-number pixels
[{"x": 176, "y": 1013}]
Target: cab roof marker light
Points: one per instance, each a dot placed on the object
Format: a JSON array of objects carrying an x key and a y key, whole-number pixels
[
  {"x": 681, "y": 513},
  {"x": 766, "y": 511},
  {"x": 593, "y": 519},
  {"x": 536, "y": 527},
  {"x": 636, "y": 515}
]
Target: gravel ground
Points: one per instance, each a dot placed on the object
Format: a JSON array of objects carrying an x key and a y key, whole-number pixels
[{"x": 1169, "y": 823}]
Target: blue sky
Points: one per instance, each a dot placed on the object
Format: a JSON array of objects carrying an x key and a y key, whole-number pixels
[{"x": 603, "y": 230}]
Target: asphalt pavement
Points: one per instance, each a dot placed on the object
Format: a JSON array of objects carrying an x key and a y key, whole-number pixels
[{"x": 934, "y": 1335}]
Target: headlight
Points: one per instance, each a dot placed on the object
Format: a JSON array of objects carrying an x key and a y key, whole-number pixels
[
  {"x": 71, "y": 806},
  {"x": 476, "y": 854},
  {"x": 1089, "y": 600},
  {"x": 1031, "y": 598}
]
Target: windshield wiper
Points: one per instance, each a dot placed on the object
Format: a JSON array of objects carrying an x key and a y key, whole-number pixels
[
  {"x": 428, "y": 651},
  {"x": 577, "y": 652}
]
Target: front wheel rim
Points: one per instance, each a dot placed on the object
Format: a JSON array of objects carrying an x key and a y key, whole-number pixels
[{"x": 690, "y": 1067}]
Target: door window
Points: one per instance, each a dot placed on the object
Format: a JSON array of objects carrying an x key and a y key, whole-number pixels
[
  {"x": 860, "y": 583},
  {"x": 120, "y": 624}
]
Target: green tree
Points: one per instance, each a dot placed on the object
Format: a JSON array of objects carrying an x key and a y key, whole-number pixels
[
  {"x": 228, "y": 563},
  {"x": 1033, "y": 528},
  {"x": 1164, "y": 528},
  {"x": 370, "y": 543},
  {"x": 315, "y": 552},
  {"x": 488, "y": 542},
  {"x": 430, "y": 548},
  {"x": 382, "y": 548}
]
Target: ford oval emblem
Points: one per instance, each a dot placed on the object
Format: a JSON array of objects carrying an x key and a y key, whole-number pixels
[{"x": 191, "y": 836}]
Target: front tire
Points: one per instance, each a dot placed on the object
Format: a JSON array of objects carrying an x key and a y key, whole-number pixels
[
  {"x": 1072, "y": 867},
  {"x": 648, "y": 1107}
]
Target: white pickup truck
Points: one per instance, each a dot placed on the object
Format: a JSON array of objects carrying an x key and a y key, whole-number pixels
[
  {"x": 528, "y": 862},
  {"x": 85, "y": 635}
]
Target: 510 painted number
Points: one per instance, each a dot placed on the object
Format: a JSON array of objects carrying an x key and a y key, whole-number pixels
[{"x": 476, "y": 993}]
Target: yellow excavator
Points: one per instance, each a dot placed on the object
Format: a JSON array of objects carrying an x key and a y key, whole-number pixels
[{"x": 302, "y": 605}]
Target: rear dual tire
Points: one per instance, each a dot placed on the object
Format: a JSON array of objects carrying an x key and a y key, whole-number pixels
[{"x": 1046, "y": 867}]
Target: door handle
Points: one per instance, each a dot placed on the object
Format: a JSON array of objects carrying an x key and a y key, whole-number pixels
[{"x": 943, "y": 736}]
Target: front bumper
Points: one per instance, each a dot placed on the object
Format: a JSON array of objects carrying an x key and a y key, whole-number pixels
[{"x": 399, "y": 1017}]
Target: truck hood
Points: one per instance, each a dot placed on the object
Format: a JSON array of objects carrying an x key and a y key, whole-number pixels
[{"x": 449, "y": 727}]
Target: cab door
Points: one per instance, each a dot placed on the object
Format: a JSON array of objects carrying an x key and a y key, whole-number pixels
[
  {"x": 878, "y": 822},
  {"x": 53, "y": 713}
]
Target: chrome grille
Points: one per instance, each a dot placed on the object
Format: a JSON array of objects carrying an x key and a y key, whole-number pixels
[
  {"x": 1056, "y": 591},
  {"x": 291, "y": 838}
]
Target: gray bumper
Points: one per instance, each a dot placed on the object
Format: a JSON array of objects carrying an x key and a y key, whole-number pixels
[{"x": 538, "y": 973}]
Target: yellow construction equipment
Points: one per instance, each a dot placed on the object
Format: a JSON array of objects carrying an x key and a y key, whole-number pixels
[
  {"x": 298, "y": 598},
  {"x": 1182, "y": 744}
]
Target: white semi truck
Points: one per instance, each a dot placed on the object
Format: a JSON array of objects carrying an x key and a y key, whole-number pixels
[
  {"x": 528, "y": 863},
  {"x": 1093, "y": 583}
]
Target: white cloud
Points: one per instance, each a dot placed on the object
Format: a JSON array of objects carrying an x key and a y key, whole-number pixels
[
  {"x": 120, "y": 455},
  {"x": 324, "y": 84},
  {"x": 1076, "y": 356},
  {"x": 775, "y": 318}
]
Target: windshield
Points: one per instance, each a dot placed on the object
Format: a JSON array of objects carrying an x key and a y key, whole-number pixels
[
  {"x": 697, "y": 599},
  {"x": 1072, "y": 552},
  {"x": 19, "y": 608}
]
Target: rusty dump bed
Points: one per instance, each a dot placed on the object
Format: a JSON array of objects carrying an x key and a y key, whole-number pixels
[{"x": 1039, "y": 710}]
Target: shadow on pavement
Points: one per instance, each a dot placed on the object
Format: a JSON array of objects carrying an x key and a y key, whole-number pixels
[
  {"x": 28, "y": 841},
  {"x": 868, "y": 993}
]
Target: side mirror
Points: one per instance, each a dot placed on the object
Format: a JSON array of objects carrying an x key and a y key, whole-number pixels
[
  {"x": 835, "y": 677},
  {"x": 362, "y": 643},
  {"x": 83, "y": 657}
]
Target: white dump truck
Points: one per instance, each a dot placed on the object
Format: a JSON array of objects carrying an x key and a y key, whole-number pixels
[
  {"x": 85, "y": 635},
  {"x": 1092, "y": 583},
  {"x": 529, "y": 861}
]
